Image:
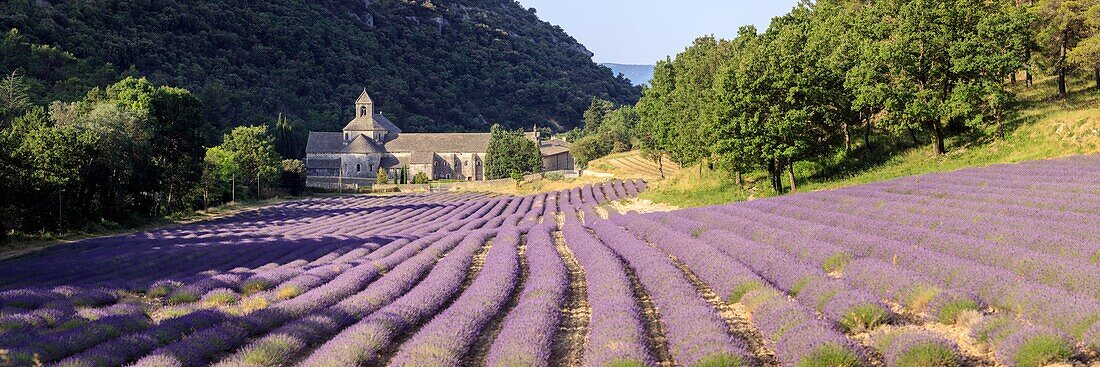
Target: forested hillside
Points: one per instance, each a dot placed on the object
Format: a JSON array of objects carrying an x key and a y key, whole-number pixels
[{"x": 441, "y": 65}]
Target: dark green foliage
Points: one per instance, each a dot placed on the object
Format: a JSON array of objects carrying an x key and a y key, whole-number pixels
[
  {"x": 251, "y": 158},
  {"x": 510, "y": 153},
  {"x": 607, "y": 129},
  {"x": 129, "y": 151},
  {"x": 451, "y": 66},
  {"x": 420, "y": 178},
  {"x": 293, "y": 176},
  {"x": 799, "y": 90}
]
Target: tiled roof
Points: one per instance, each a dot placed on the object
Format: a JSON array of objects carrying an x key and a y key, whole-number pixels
[
  {"x": 334, "y": 143},
  {"x": 381, "y": 120},
  {"x": 324, "y": 142},
  {"x": 363, "y": 145},
  {"x": 376, "y": 123},
  {"x": 440, "y": 143},
  {"x": 364, "y": 98},
  {"x": 553, "y": 147},
  {"x": 362, "y": 123}
]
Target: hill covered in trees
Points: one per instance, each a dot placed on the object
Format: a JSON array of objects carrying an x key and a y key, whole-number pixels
[{"x": 442, "y": 65}]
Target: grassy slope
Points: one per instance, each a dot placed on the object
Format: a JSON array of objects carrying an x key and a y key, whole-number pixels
[{"x": 1041, "y": 128}]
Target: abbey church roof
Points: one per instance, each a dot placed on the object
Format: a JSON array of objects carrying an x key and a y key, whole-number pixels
[{"x": 364, "y": 98}]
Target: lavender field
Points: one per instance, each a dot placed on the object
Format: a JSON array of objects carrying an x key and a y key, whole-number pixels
[{"x": 995, "y": 266}]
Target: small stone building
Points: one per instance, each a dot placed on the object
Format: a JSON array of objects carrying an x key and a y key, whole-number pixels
[{"x": 370, "y": 142}]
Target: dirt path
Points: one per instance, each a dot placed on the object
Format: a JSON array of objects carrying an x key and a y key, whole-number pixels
[
  {"x": 572, "y": 337},
  {"x": 735, "y": 316},
  {"x": 479, "y": 353},
  {"x": 390, "y": 350},
  {"x": 655, "y": 332}
]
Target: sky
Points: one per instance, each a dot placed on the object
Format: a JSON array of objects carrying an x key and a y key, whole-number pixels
[{"x": 644, "y": 31}]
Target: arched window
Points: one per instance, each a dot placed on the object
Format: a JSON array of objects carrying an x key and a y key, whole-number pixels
[
  {"x": 358, "y": 167},
  {"x": 370, "y": 166},
  {"x": 362, "y": 110}
]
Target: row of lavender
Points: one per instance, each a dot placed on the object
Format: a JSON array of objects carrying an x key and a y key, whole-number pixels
[
  {"x": 1008, "y": 252},
  {"x": 226, "y": 292}
]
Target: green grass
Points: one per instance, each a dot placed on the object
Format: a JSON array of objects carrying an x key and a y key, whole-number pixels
[
  {"x": 720, "y": 360},
  {"x": 182, "y": 297},
  {"x": 831, "y": 356},
  {"x": 836, "y": 263},
  {"x": 1043, "y": 350},
  {"x": 863, "y": 318},
  {"x": 741, "y": 289},
  {"x": 1039, "y": 128},
  {"x": 928, "y": 355},
  {"x": 949, "y": 313}
]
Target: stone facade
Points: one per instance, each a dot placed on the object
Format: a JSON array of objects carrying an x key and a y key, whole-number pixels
[{"x": 370, "y": 142}]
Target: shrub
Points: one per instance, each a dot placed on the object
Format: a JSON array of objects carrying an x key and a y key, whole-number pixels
[
  {"x": 916, "y": 348},
  {"x": 755, "y": 298},
  {"x": 741, "y": 289},
  {"x": 1042, "y": 350},
  {"x": 919, "y": 300},
  {"x": 220, "y": 297},
  {"x": 626, "y": 363},
  {"x": 928, "y": 355},
  {"x": 161, "y": 289},
  {"x": 252, "y": 304},
  {"x": 288, "y": 292},
  {"x": 270, "y": 352},
  {"x": 182, "y": 297},
  {"x": 836, "y": 263},
  {"x": 831, "y": 355},
  {"x": 798, "y": 287},
  {"x": 1092, "y": 336},
  {"x": 863, "y": 317},
  {"x": 254, "y": 286},
  {"x": 420, "y": 179},
  {"x": 720, "y": 360},
  {"x": 949, "y": 313}
]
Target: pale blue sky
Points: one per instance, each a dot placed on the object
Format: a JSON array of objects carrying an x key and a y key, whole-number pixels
[{"x": 644, "y": 31}]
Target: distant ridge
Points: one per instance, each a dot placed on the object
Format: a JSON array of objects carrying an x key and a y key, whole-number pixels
[{"x": 638, "y": 74}]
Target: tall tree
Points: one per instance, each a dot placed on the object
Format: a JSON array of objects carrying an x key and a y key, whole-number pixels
[
  {"x": 1087, "y": 53},
  {"x": 510, "y": 154},
  {"x": 1062, "y": 26},
  {"x": 253, "y": 151}
]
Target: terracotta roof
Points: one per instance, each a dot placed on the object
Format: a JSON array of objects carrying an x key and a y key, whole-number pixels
[
  {"x": 553, "y": 147},
  {"x": 440, "y": 143}
]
